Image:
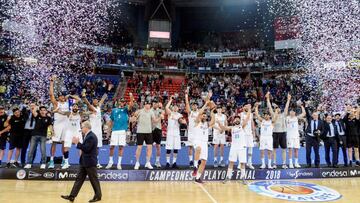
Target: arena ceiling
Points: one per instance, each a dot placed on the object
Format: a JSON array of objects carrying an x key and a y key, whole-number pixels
[{"x": 196, "y": 3}]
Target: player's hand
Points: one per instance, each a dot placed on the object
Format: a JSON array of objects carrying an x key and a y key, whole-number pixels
[
  {"x": 75, "y": 140},
  {"x": 289, "y": 96},
  {"x": 267, "y": 95},
  {"x": 53, "y": 78},
  {"x": 210, "y": 94}
]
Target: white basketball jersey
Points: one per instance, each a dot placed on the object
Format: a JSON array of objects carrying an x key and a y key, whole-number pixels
[
  {"x": 173, "y": 127},
  {"x": 238, "y": 137},
  {"x": 221, "y": 119},
  {"x": 266, "y": 129},
  {"x": 95, "y": 117},
  {"x": 63, "y": 107},
  {"x": 292, "y": 124},
  {"x": 75, "y": 122},
  {"x": 192, "y": 118},
  {"x": 201, "y": 131},
  {"x": 248, "y": 127}
]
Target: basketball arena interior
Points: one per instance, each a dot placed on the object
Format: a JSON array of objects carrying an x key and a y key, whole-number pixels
[{"x": 179, "y": 100}]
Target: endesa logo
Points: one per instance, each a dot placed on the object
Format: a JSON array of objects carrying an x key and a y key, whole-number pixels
[
  {"x": 113, "y": 175},
  {"x": 294, "y": 191},
  {"x": 334, "y": 173}
]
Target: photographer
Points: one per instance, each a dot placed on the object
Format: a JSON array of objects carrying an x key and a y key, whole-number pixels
[{"x": 313, "y": 132}]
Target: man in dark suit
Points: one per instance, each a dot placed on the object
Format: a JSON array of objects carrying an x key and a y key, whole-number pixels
[
  {"x": 313, "y": 132},
  {"x": 330, "y": 136},
  {"x": 341, "y": 128},
  {"x": 88, "y": 162}
]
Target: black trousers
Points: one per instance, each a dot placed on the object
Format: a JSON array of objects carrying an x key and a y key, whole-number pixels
[
  {"x": 312, "y": 142},
  {"x": 342, "y": 145},
  {"x": 26, "y": 142},
  {"x": 331, "y": 143},
  {"x": 81, "y": 176}
]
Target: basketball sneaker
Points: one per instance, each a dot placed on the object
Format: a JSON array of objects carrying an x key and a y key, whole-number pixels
[
  {"x": 27, "y": 166},
  {"x": 297, "y": 165},
  {"x": 191, "y": 164},
  {"x": 99, "y": 166},
  {"x": 157, "y": 164},
  {"x": 263, "y": 166},
  {"x": 65, "y": 166},
  {"x": 222, "y": 163},
  {"x": 174, "y": 166},
  {"x": 167, "y": 166},
  {"x": 274, "y": 166},
  {"x": 244, "y": 182},
  {"x": 216, "y": 164},
  {"x": 270, "y": 167},
  {"x": 119, "y": 167},
  {"x": 227, "y": 179},
  {"x": 109, "y": 166},
  {"x": 51, "y": 165},
  {"x": 43, "y": 166},
  {"x": 137, "y": 166},
  {"x": 291, "y": 165},
  {"x": 199, "y": 181},
  {"x": 250, "y": 166},
  {"x": 284, "y": 166},
  {"x": 148, "y": 166}
]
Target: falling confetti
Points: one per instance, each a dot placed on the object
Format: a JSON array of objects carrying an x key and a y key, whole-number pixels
[{"x": 52, "y": 36}]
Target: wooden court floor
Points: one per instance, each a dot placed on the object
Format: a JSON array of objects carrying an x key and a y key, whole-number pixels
[{"x": 17, "y": 191}]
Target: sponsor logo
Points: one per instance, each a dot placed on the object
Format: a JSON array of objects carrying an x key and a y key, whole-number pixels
[
  {"x": 334, "y": 173},
  {"x": 294, "y": 191},
  {"x": 21, "y": 174},
  {"x": 103, "y": 175},
  {"x": 113, "y": 175},
  {"x": 33, "y": 174},
  {"x": 67, "y": 175},
  {"x": 299, "y": 174},
  {"x": 185, "y": 175},
  {"x": 49, "y": 175},
  {"x": 354, "y": 172}
]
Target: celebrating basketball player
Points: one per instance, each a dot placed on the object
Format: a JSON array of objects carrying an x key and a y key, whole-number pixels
[
  {"x": 72, "y": 130},
  {"x": 118, "y": 125},
  {"x": 61, "y": 121},
  {"x": 201, "y": 139},
  {"x": 238, "y": 145},
  {"x": 192, "y": 115},
  {"x": 292, "y": 134},
  {"x": 219, "y": 138},
  {"x": 173, "y": 141},
  {"x": 279, "y": 134},
  {"x": 266, "y": 139},
  {"x": 95, "y": 118},
  {"x": 249, "y": 134}
]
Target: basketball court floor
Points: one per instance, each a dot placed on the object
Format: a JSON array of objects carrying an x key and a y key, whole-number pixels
[{"x": 22, "y": 191}]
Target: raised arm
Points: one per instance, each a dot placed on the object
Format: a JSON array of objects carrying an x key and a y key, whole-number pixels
[
  {"x": 131, "y": 102},
  {"x": 286, "y": 110},
  {"x": 90, "y": 106},
  {"x": 167, "y": 107},
  {"x": 187, "y": 105},
  {"x": 257, "y": 112},
  {"x": 247, "y": 118},
  {"x": 212, "y": 120},
  {"x": 51, "y": 91},
  {"x": 103, "y": 99},
  {"x": 268, "y": 103},
  {"x": 201, "y": 111}
]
